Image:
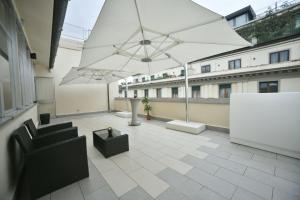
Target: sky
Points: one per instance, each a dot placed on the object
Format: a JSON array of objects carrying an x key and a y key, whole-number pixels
[{"x": 84, "y": 13}]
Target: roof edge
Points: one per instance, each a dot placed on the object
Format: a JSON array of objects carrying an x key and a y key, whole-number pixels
[{"x": 59, "y": 13}]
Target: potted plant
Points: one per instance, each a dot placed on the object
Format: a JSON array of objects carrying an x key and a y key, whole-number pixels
[{"x": 147, "y": 107}]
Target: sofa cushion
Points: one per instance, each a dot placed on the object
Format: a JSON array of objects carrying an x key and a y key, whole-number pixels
[{"x": 31, "y": 127}]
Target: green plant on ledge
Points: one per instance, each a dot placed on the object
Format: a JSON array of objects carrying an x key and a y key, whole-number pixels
[{"x": 147, "y": 107}]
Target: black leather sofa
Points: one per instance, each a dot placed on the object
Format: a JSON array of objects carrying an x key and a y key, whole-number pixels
[{"x": 51, "y": 166}]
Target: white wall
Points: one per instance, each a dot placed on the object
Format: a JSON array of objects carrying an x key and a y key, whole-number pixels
[
  {"x": 290, "y": 85},
  {"x": 267, "y": 121},
  {"x": 10, "y": 154},
  {"x": 79, "y": 98}
]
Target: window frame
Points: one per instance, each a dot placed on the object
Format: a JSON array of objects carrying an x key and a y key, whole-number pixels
[
  {"x": 176, "y": 96},
  {"x": 220, "y": 85},
  {"x": 268, "y": 82},
  {"x": 135, "y": 92},
  {"x": 158, "y": 96},
  {"x": 21, "y": 73},
  {"x": 205, "y": 67},
  {"x": 234, "y": 64},
  {"x": 278, "y": 56},
  {"x": 146, "y": 91},
  {"x": 198, "y": 86},
  {"x": 8, "y": 112}
]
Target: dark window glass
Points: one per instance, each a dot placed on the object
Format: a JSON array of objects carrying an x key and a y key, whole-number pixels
[
  {"x": 196, "y": 91},
  {"x": 165, "y": 75},
  {"x": 143, "y": 79},
  {"x": 280, "y": 56},
  {"x": 224, "y": 90},
  {"x": 158, "y": 92},
  {"x": 234, "y": 64},
  {"x": 125, "y": 94},
  {"x": 152, "y": 77},
  {"x": 136, "y": 80},
  {"x": 175, "y": 92},
  {"x": 268, "y": 87},
  {"x": 182, "y": 72},
  {"x": 205, "y": 69},
  {"x": 135, "y": 93},
  {"x": 146, "y": 93}
]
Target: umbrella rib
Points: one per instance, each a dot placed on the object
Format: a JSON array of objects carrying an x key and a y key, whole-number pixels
[
  {"x": 213, "y": 43},
  {"x": 131, "y": 57},
  {"x": 122, "y": 44},
  {"x": 164, "y": 49},
  {"x": 197, "y": 25},
  {"x": 141, "y": 26},
  {"x": 107, "y": 45},
  {"x": 99, "y": 60},
  {"x": 68, "y": 81},
  {"x": 159, "y": 46},
  {"x": 126, "y": 42},
  {"x": 168, "y": 55}
]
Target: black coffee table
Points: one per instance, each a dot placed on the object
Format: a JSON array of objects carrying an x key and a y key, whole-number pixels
[{"x": 110, "y": 146}]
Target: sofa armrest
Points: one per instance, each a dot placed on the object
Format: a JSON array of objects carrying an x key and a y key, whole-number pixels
[
  {"x": 54, "y": 137},
  {"x": 54, "y": 127},
  {"x": 55, "y": 166}
]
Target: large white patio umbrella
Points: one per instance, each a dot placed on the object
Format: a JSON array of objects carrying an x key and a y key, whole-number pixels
[
  {"x": 148, "y": 36},
  {"x": 92, "y": 76}
]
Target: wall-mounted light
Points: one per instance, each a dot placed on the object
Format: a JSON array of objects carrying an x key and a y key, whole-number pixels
[{"x": 33, "y": 56}]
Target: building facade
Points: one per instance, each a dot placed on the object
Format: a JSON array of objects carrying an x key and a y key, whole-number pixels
[{"x": 270, "y": 65}]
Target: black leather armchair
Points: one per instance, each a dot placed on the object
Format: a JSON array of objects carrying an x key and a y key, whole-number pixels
[
  {"x": 53, "y": 166},
  {"x": 51, "y": 134},
  {"x": 34, "y": 132}
]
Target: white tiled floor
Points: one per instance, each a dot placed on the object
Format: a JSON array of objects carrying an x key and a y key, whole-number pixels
[{"x": 165, "y": 164}]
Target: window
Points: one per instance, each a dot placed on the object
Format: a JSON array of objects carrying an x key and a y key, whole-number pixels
[
  {"x": 135, "y": 94},
  {"x": 234, "y": 64},
  {"x": 17, "y": 87},
  {"x": 174, "y": 92},
  {"x": 182, "y": 72},
  {"x": 146, "y": 93},
  {"x": 158, "y": 93},
  {"x": 280, "y": 56},
  {"x": 196, "y": 91},
  {"x": 239, "y": 20},
  {"x": 224, "y": 90},
  {"x": 297, "y": 21},
  {"x": 152, "y": 77},
  {"x": 268, "y": 87},
  {"x": 125, "y": 93},
  {"x": 205, "y": 69},
  {"x": 5, "y": 74},
  {"x": 165, "y": 75},
  {"x": 143, "y": 79},
  {"x": 136, "y": 80},
  {"x": 120, "y": 89}
]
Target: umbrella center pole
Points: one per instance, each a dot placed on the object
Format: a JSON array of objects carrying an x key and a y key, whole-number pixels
[
  {"x": 186, "y": 92},
  {"x": 126, "y": 95}
]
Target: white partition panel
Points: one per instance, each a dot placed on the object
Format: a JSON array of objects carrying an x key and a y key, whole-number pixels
[{"x": 266, "y": 121}]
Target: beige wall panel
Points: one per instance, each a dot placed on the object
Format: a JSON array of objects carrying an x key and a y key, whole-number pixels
[{"x": 210, "y": 114}]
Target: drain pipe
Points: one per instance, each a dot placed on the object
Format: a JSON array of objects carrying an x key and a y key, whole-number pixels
[
  {"x": 186, "y": 93},
  {"x": 108, "y": 99}
]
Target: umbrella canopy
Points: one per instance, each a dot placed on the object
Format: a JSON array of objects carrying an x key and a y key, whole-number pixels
[
  {"x": 92, "y": 76},
  {"x": 148, "y": 36}
]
